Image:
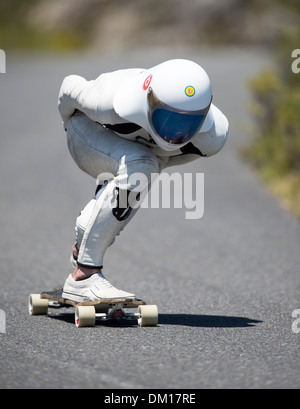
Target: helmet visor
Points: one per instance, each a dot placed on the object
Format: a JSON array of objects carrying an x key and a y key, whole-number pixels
[{"x": 172, "y": 125}]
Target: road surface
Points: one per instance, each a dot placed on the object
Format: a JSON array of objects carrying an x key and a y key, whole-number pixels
[{"x": 226, "y": 285}]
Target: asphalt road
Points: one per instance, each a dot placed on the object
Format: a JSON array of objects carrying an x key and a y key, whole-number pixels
[{"x": 226, "y": 285}]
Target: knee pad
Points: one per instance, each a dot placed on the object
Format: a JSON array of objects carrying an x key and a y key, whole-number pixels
[
  {"x": 138, "y": 176},
  {"x": 124, "y": 207},
  {"x": 140, "y": 173}
]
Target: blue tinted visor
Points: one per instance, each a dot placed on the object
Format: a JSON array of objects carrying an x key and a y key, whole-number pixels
[{"x": 172, "y": 125}]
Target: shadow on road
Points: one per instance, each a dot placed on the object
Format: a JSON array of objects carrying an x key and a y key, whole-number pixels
[
  {"x": 189, "y": 320},
  {"x": 206, "y": 321}
]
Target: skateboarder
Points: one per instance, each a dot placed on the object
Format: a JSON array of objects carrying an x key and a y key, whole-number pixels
[{"x": 128, "y": 122}]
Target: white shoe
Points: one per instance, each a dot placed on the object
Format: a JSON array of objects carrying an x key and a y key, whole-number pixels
[{"x": 93, "y": 288}]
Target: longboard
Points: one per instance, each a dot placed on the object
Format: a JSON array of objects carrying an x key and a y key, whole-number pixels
[{"x": 87, "y": 313}]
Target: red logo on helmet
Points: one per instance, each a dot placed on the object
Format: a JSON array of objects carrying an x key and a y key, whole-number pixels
[{"x": 147, "y": 82}]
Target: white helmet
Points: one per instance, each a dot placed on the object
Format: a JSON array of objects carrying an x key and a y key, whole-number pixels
[{"x": 171, "y": 101}]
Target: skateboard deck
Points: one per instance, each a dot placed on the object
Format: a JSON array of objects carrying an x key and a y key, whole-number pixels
[{"x": 87, "y": 313}]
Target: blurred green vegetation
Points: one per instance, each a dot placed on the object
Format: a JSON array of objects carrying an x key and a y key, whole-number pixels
[
  {"x": 16, "y": 33},
  {"x": 275, "y": 150},
  {"x": 72, "y": 24}
]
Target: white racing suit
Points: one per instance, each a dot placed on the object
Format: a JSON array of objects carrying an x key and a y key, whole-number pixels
[{"x": 102, "y": 143}]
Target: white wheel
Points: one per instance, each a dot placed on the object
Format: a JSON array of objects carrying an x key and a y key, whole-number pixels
[
  {"x": 85, "y": 316},
  {"x": 37, "y": 306},
  {"x": 149, "y": 316}
]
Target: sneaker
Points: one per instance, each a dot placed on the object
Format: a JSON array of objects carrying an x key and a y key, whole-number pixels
[{"x": 94, "y": 288}]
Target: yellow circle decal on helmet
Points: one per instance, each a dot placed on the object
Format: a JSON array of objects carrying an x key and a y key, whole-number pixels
[{"x": 190, "y": 91}]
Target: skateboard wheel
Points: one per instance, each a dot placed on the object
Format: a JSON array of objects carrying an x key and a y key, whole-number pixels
[
  {"x": 148, "y": 316},
  {"x": 85, "y": 316},
  {"x": 36, "y": 305}
]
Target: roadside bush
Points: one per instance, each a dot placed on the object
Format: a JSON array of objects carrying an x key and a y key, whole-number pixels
[{"x": 275, "y": 150}]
